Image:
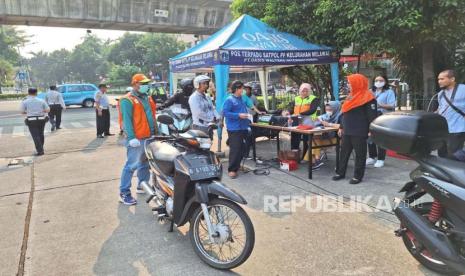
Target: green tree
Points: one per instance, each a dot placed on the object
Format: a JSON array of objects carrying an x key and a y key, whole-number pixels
[
  {"x": 10, "y": 41},
  {"x": 158, "y": 49},
  {"x": 128, "y": 51},
  {"x": 120, "y": 75},
  {"x": 423, "y": 36},
  {"x": 86, "y": 60},
  {"x": 50, "y": 68}
]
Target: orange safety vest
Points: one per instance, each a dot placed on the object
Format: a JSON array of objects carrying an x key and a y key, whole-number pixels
[{"x": 140, "y": 122}]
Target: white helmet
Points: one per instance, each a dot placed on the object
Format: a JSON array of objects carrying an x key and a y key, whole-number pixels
[
  {"x": 199, "y": 79},
  {"x": 129, "y": 89}
]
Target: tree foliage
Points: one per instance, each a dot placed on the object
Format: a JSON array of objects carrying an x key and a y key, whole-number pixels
[
  {"x": 115, "y": 61},
  {"x": 10, "y": 40},
  {"x": 423, "y": 36}
]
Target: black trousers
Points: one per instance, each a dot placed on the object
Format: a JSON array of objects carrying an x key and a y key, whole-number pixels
[
  {"x": 248, "y": 143},
  {"x": 237, "y": 144},
  {"x": 295, "y": 140},
  {"x": 375, "y": 151},
  {"x": 359, "y": 145},
  {"x": 36, "y": 128},
  {"x": 454, "y": 143},
  {"x": 55, "y": 115},
  {"x": 103, "y": 122}
]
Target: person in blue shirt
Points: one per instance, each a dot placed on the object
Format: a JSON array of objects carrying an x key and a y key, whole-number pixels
[
  {"x": 451, "y": 105},
  {"x": 237, "y": 124},
  {"x": 386, "y": 101}
]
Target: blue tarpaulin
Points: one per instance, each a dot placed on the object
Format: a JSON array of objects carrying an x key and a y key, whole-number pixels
[{"x": 248, "y": 44}]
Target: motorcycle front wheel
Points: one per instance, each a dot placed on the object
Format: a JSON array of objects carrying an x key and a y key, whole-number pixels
[{"x": 234, "y": 234}]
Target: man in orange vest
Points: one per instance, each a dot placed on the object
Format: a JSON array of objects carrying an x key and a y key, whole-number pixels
[{"x": 138, "y": 115}]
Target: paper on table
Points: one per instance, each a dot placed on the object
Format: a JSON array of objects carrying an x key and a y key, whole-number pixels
[{"x": 250, "y": 117}]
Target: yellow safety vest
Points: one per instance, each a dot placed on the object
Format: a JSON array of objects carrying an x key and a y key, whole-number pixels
[{"x": 303, "y": 105}]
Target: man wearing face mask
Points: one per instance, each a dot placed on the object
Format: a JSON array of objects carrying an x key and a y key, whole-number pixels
[
  {"x": 203, "y": 111},
  {"x": 138, "y": 113}
]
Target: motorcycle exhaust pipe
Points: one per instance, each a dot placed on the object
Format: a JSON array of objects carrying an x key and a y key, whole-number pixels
[
  {"x": 435, "y": 241},
  {"x": 148, "y": 190}
]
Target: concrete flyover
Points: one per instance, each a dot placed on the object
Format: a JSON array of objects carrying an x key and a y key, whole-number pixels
[{"x": 168, "y": 16}]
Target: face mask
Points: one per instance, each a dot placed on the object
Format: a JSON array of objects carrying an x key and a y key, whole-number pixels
[
  {"x": 144, "y": 88},
  {"x": 329, "y": 113},
  {"x": 379, "y": 84}
]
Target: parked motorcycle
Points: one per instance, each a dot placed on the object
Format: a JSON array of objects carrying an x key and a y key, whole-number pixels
[
  {"x": 432, "y": 211},
  {"x": 186, "y": 187},
  {"x": 182, "y": 119}
]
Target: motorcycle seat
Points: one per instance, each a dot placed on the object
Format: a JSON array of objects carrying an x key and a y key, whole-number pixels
[
  {"x": 454, "y": 170},
  {"x": 163, "y": 151}
]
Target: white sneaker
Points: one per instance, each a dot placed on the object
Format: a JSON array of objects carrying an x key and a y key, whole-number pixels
[
  {"x": 379, "y": 164},
  {"x": 370, "y": 161}
]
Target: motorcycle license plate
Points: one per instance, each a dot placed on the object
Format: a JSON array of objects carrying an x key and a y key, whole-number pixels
[{"x": 203, "y": 172}]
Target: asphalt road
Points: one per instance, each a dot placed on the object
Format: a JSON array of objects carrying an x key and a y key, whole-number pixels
[{"x": 73, "y": 118}]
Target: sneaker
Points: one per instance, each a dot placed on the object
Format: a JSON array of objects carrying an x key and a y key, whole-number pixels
[
  {"x": 370, "y": 161},
  {"x": 379, "y": 164},
  {"x": 127, "y": 199},
  {"x": 139, "y": 190},
  {"x": 248, "y": 158},
  {"x": 317, "y": 165}
]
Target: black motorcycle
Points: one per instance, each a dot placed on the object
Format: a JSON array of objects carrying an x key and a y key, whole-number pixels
[
  {"x": 432, "y": 211},
  {"x": 186, "y": 187}
]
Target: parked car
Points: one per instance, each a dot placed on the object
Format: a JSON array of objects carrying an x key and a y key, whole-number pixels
[
  {"x": 257, "y": 90},
  {"x": 76, "y": 94}
]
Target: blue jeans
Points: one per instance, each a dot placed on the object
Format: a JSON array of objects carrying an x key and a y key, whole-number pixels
[{"x": 133, "y": 163}]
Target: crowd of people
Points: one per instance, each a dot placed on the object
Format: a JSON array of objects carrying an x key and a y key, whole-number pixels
[{"x": 352, "y": 119}]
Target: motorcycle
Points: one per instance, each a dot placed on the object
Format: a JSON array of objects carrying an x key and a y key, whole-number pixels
[
  {"x": 186, "y": 187},
  {"x": 432, "y": 210},
  {"x": 182, "y": 119}
]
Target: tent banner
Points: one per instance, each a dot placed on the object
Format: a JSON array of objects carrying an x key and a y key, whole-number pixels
[
  {"x": 207, "y": 59},
  {"x": 252, "y": 57}
]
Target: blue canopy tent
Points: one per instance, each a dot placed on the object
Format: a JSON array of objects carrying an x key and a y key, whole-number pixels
[{"x": 248, "y": 44}]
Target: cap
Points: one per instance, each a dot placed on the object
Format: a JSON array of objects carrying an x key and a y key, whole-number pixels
[{"x": 139, "y": 78}]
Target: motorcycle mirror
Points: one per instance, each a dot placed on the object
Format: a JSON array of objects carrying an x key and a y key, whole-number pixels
[{"x": 165, "y": 119}]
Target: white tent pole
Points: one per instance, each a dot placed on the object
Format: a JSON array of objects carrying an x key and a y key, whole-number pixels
[{"x": 263, "y": 76}]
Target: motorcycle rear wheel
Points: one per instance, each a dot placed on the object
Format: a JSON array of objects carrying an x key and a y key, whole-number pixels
[
  {"x": 425, "y": 257},
  {"x": 200, "y": 241}
]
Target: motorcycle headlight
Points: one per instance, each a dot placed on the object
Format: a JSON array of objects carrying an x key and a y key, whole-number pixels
[{"x": 205, "y": 143}]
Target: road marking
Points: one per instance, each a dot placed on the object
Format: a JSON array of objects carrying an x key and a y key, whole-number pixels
[
  {"x": 77, "y": 125},
  {"x": 92, "y": 123},
  {"x": 18, "y": 131}
]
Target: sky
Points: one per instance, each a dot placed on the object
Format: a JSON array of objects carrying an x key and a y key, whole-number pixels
[{"x": 49, "y": 39}]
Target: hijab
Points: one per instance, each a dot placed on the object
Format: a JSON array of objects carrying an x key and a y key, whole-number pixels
[{"x": 359, "y": 93}]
